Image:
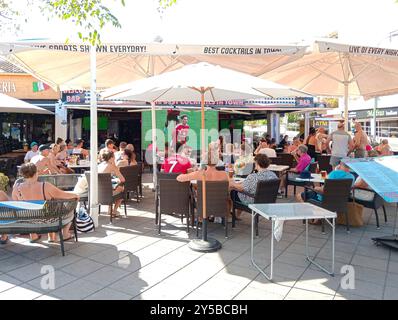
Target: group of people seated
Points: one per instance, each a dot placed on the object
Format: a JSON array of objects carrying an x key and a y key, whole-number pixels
[{"x": 53, "y": 158}]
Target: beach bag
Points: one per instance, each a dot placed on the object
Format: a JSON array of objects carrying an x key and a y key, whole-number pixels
[
  {"x": 84, "y": 223},
  {"x": 355, "y": 215}
]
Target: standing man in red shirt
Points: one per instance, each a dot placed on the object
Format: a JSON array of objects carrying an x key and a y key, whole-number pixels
[
  {"x": 176, "y": 162},
  {"x": 180, "y": 133}
]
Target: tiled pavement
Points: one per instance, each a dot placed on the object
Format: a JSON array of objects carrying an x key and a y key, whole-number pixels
[{"x": 128, "y": 260}]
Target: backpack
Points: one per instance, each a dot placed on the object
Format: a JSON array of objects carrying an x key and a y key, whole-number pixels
[{"x": 84, "y": 223}]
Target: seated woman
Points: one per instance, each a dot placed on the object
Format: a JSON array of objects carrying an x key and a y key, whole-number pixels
[
  {"x": 244, "y": 191},
  {"x": 31, "y": 189},
  {"x": 4, "y": 237},
  {"x": 244, "y": 164},
  {"x": 211, "y": 173},
  {"x": 128, "y": 159},
  {"x": 108, "y": 166}
]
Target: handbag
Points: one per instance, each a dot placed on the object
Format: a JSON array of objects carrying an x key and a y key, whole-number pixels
[
  {"x": 355, "y": 214},
  {"x": 84, "y": 223}
]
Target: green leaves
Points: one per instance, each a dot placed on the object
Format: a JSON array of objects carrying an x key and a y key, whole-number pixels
[{"x": 90, "y": 15}]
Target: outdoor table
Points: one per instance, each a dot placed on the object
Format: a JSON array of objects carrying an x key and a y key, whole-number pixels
[
  {"x": 78, "y": 168},
  {"x": 23, "y": 205},
  {"x": 291, "y": 211}
]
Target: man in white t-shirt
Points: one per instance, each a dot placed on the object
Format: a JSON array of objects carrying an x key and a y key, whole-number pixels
[
  {"x": 34, "y": 151},
  {"x": 342, "y": 144},
  {"x": 264, "y": 148}
]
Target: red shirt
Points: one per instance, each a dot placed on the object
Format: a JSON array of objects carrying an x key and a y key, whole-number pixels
[
  {"x": 176, "y": 164},
  {"x": 181, "y": 133}
]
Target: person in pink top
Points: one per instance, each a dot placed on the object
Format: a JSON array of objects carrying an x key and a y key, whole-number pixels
[{"x": 302, "y": 158}]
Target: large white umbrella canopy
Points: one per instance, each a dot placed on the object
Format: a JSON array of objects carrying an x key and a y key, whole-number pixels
[
  {"x": 199, "y": 82},
  {"x": 336, "y": 69},
  {"x": 10, "y": 104},
  {"x": 67, "y": 66},
  {"x": 221, "y": 84}
]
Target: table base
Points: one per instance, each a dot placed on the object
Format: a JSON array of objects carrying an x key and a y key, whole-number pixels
[
  {"x": 211, "y": 245},
  {"x": 308, "y": 258}
]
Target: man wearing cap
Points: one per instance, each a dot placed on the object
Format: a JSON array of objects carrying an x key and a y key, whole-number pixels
[
  {"x": 42, "y": 161},
  {"x": 33, "y": 152}
]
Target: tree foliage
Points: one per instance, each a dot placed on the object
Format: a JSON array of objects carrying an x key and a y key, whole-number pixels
[{"x": 90, "y": 16}]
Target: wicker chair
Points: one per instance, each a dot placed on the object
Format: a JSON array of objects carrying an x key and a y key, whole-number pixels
[
  {"x": 336, "y": 193},
  {"x": 105, "y": 192},
  {"x": 266, "y": 192},
  {"x": 65, "y": 182},
  {"x": 324, "y": 163},
  {"x": 375, "y": 203},
  {"x": 292, "y": 182},
  {"x": 54, "y": 215},
  {"x": 217, "y": 197},
  {"x": 132, "y": 183},
  {"x": 172, "y": 197}
]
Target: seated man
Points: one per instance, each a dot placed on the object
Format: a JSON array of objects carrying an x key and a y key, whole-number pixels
[
  {"x": 42, "y": 161},
  {"x": 176, "y": 162},
  {"x": 342, "y": 171},
  {"x": 265, "y": 148},
  {"x": 244, "y": 191}
]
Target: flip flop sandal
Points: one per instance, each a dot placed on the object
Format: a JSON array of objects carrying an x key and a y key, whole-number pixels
[
  {"x": 35, "y": 240},
  {"x": 4, "y": 241}
]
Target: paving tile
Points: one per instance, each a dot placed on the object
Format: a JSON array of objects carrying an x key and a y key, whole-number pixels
[
  {"x": 28, "y": 272},
  {"x": 76, "y": 290},
  {"x": 82, "y": 268},
  {"x": 318, "y": 281},
  {"x": 393, "y": 267},
  {"x": 7, "y": 282},
  {"x": 108, "y": 294},
  {"x": 41, "y": 253},
  {"x": 373, "y": 263},
  {"x": 60, "y": 279},
  {"x": 106, "y": 275},
  {"x": 298, "y": 294},
  {"x": 88, "y": 250},
  {"x": 364, "y": 289},
  {"x": 61, "y": 261},
  {"x": 131, "y": 285},
  {"x": 23, "y": 292},
  {"x": 109, "y": 256},
  {"x": 392, "y": 280},
  {"x": 5, "y": 254},
  {"x": 14, "y": 262},
  {"x": 391, "y": 293}
]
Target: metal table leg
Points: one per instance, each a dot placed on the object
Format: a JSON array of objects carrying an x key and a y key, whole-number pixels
[
  {"x": 332, "y": 224},
  {"x": 272, "y": 249}
]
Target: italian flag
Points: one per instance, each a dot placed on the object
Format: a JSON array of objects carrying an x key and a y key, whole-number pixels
[{"x": 40, "y": 86}]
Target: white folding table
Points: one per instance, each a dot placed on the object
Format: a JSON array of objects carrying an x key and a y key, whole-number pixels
[{"x": 291, "y": 211}]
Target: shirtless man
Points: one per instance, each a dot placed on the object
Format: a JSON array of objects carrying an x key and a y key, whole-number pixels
[
  {"x": 42, "y": 161},
  {"x": 360, "y": 141}
]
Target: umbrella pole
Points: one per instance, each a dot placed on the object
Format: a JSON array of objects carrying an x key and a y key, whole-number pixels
[
  {"x": 93, "y": 140},
  {"x": 205, "y": 244},
  {"x": 154, "y": 145},
  {"x": 346, "y": 105}
]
